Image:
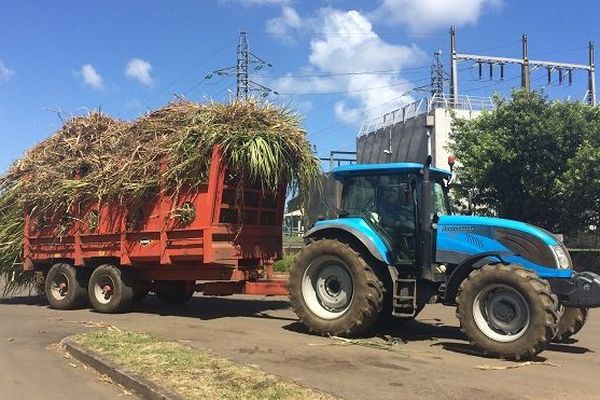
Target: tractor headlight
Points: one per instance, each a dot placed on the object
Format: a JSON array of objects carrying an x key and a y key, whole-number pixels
[{"x": 562, "y": 258}]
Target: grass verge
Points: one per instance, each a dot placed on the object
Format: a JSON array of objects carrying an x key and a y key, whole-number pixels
[{"x": 189, "y": 372}]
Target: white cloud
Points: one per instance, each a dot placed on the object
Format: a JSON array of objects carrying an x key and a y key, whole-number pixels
[
  {"x": 425, "y": 15},
  {"x": 350, "y": 44},
  {"x": 139, "y": 70},
  {"x": 281, "y": 26},
  {"x": 5, "y": 72},
  {"x": 90, "y": 76}
]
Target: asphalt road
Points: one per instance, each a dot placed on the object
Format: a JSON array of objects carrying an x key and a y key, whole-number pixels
[
  {"x": 432, "y": 359},
  {"x": 32, "y": 368}
]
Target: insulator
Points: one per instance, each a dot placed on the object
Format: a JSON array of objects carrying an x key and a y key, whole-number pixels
[
  {"x": 491, "y": 71},
  {"x": 501, "y": 72},
  {"x": 560, "y": 76},
  {"x": 480, "y": 68},
  {"x": 570, "y": 74},
  {"x": 549, "y": 75}
]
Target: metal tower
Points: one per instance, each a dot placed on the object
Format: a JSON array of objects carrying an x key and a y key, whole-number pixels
[
  {"x": 437, "y": 75},
  {"x": 526, "y": 66},
  {"x": 245, "y": 59}
]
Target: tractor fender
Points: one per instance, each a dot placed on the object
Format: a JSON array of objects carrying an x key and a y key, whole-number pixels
[
  {"x": 352, "y": 228},
  {"x": 460, "y": 273}
]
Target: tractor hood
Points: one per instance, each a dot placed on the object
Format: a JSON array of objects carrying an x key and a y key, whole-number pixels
[
  {"x": 467, "y": 222},
  {"x": 461, "y": 237}
]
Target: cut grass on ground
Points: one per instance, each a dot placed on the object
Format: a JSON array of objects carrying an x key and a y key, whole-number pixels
[{"x": 189, "y": 372}]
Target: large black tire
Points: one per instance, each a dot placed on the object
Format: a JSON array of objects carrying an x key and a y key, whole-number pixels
[
  {"x": 507, "y": 311},
  {"x": 175, "y": 293},
  {"x": 66, "y": 287},
  {"x": 570, "y": 323},
  {"x": 111, "y": 289},
  {"x": 329, "y": 271}
]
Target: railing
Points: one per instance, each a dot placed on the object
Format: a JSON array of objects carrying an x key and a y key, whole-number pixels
[{"x": 425, "y": 105}]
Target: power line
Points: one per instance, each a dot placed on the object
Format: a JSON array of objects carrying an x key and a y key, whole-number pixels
[
  {"x": 190, "y": 70},
  {"x": 365, "y": 89},
  {"x": 348, "y": 73},
  {"x": 362, "y": 114},
  {"x": 526, "y": 65}
]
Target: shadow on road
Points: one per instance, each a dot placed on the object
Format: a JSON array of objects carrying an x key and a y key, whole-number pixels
[
  {"x": 25, "y": 300},
  {"x": 405, "y": 331},
  {"x": 205, "y": 308},
  {"x": 208, "y": 308},
  {"x": 568, "y": 348}
]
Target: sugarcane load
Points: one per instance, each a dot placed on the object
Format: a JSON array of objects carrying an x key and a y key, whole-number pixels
[{"x": 104, "y": 210}]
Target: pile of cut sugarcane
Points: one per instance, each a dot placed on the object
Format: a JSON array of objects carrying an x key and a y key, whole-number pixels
[{"x": 100, "y": 158}]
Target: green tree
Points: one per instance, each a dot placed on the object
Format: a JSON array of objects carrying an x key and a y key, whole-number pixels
[{"x": 533, "y": 160}]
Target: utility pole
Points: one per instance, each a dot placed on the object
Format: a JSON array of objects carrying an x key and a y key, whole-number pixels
[
  {"x": 591, "y": 75},
  {"x": 453, "y": 68},
  {"x": 526, "y": 66},
  {"x": 245, "y": 58},
  {"x": 525, "y": 81}
]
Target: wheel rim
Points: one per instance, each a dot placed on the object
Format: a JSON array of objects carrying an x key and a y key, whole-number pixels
[
  {"x": 104, "y": 289},
  {"x": 327, "y": 287},
  {"x": 59, "y": 288},
  {"x": 501, "y": 313}
]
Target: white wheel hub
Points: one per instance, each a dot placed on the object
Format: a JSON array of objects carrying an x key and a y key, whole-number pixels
[
  {"x": 501, "y": 313},
  {"x": 327, "y": 287},
  {"x": 104, "y": 289},
  {"x": 59, "y": 288}
]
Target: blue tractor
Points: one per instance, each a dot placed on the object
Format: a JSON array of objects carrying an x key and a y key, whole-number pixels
[{"x": 395, "y": 247}]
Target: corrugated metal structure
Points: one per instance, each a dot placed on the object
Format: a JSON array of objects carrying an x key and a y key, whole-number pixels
[{"x": 402, "y": 135}]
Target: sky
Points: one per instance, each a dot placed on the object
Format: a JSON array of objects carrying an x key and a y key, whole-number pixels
[{"x": 337, "y": 63}]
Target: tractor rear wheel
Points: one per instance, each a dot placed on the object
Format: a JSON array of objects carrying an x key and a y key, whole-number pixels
[
  {"x": 111, "y": 289},
  {"x": 571, "y": 322},
  {"x": 65, "y": 287},
  {"x": 333, "y": 290},
  {"x": 507, "y": 311}
]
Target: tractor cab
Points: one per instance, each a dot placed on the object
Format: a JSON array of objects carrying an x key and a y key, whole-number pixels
[{"x": 388, "y": 197}]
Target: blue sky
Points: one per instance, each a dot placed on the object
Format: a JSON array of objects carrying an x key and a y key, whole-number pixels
[{"x": 129, "y": 56}]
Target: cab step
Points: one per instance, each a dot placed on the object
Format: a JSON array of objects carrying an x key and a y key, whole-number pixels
[{"x": 405, "y": 297}]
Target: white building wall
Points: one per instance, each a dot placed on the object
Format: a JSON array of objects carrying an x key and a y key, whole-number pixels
[{"x": 441, "y": 133}]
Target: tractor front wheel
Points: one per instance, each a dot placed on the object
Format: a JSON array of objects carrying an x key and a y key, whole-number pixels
[
  {"x": 333, "y": 290},
  {"x": 507, "y": 311},
  {"x": 571, "y": 322}
]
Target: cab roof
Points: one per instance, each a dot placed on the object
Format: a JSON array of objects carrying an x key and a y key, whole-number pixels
[{"x": 389, "y": 168}]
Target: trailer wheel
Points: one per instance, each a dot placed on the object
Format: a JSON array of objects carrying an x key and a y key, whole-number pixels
[
  {"x": 65, "y": 287},
  {"x": 175, "y": 293},
  {"x": 333, "y": 290},
  {"x": 507, "y": 311},
  {"x": 570, "y": 323},
  {"x": 111, "y": 289}
]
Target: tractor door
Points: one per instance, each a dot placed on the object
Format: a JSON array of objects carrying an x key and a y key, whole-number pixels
[{"x": 387, "y": 202}]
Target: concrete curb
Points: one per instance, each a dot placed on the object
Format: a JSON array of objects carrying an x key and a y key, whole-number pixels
[{"x": 142, "y": 387}]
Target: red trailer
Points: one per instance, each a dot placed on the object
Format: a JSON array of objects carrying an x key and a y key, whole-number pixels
[{"x": 217, "y": 239}]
